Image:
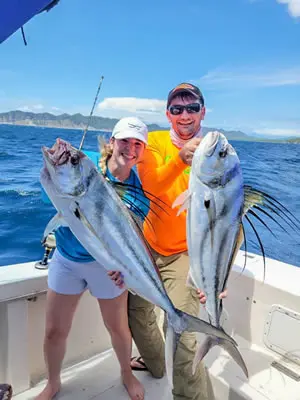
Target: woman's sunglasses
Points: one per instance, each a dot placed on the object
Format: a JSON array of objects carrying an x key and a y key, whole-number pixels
[{"x": 190, "y": 108}]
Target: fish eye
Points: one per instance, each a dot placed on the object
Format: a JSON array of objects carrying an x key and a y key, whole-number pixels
[
  {"x": 74, "y": 159},
  {"x": 223, "y": 153}
]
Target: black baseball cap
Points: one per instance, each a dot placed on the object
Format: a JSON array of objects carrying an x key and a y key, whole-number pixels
[{"x": 185, "y": 88}]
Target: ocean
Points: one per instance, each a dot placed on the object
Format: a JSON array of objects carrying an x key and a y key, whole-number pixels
[{"x": 271, "y": 167}]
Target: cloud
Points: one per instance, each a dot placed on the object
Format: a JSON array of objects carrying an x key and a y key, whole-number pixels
[
  {"x": 293, "y": 7},
  {"x": 245, "y": 78},
  {"x": 278, "y": 132},
  {"x": 56, "y": 109},
  {"x": 149, "y": 110},
  {"x": 133, "y": 104},
  {"x": 32, "y": 108},
  {"x": 38, "y": 107},
  {"x": 24, "y": 108}
]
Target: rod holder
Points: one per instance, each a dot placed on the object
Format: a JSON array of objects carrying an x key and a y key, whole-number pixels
[{"x": 49, "y": 244}]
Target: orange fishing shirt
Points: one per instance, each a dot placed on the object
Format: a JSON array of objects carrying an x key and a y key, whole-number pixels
[{"x": 164, "y": 174}]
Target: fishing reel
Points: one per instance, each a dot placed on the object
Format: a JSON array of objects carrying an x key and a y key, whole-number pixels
[{"x": 49, "y": 243}]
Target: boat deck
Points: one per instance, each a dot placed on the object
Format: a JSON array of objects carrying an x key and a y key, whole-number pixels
[{"x": 99, "y": 379}]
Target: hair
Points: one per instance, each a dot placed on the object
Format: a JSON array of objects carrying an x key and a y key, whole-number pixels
[
  {"x": 106, "y": 150},
  {"x": 185, "y": 95}
]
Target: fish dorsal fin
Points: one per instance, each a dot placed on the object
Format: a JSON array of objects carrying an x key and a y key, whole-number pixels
[
  {"x": 238, "y": 243},
  {"x": 252, "y": 197},
  {"x": 182, "y": 200},
  {"x": 119, "y": 188}
]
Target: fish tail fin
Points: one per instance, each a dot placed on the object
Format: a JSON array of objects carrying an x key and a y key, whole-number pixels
[
  {"x": 195, "y": 324},
  {"x": 171, "y": 343},
  {"x": 184, "y": 322},
  {"x": 230, "y": 348}
]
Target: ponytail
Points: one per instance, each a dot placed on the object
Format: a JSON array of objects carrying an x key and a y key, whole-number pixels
[{"x": 106, "y": 153}]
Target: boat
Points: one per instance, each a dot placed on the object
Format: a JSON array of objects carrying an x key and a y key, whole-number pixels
[{"x": 262, "y": 314}]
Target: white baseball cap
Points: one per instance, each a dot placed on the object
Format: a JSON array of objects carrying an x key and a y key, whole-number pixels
[{"x": 130, "y": 127}]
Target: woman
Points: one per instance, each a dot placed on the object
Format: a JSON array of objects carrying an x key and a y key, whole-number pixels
[{"x": 73, "y": 270}]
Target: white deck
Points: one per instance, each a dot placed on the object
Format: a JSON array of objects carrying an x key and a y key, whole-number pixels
[
  {"x": 99, "y": 379},
  {"x": 263, "y": 318}
]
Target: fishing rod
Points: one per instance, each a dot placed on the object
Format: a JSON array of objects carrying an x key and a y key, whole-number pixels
[{"x": 91, "y": 113}]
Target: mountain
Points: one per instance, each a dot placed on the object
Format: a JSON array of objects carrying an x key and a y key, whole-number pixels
[
  {"x": 79, "y": 121},
  {"x": 294, "y": 140},
  {"x": 67, "y": 121}
]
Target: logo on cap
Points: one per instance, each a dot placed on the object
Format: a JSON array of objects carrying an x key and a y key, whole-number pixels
[{"x": 133, "y": 126}]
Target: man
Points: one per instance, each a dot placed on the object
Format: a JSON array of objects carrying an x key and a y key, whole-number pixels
[{"x": 164, "y": 172}]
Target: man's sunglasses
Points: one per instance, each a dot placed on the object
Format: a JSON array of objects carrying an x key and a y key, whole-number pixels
[{"x": 190, "y": 108}]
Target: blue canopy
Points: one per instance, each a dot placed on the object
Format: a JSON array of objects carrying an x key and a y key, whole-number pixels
[{"x": 15, "y": 13}]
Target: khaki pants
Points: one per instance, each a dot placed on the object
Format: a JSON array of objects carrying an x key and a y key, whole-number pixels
[{"x": 148, "y": 338}]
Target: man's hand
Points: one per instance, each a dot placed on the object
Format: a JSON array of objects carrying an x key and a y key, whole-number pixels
[
  {"x": 117, "y": 278},
  {"x": 202, "y": 297},
  {"x": 188, "y": 150}
]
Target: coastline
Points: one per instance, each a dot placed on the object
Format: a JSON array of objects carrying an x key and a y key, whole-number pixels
[
  {"x": 91, "y": 128},
  {"x": 78, "y": 128}
]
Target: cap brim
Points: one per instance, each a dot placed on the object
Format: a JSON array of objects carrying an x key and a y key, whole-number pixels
[{"x": 129, "y": 135}]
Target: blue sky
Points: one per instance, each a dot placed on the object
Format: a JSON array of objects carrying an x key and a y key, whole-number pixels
[{"x": 243, "y": 54}]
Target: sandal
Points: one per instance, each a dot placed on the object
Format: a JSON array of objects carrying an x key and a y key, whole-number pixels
[
  {"x": 5, "y": 391},
  {"x": 140, "y": 361}
]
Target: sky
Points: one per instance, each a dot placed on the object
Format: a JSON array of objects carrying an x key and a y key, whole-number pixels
[{"x": 243, "y": 54}]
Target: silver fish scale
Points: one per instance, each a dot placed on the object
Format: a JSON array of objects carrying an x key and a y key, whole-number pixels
[
  {"x": 211, "y": 236},
  {"x": 112, "y": 237}
]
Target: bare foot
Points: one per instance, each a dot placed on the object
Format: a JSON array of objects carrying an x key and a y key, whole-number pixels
[
  {"x": 49, "y": 392},
  {"x": 133, "y": 386}
]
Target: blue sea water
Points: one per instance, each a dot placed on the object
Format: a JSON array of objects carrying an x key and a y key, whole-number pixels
[{"x": 271, "y": 167}]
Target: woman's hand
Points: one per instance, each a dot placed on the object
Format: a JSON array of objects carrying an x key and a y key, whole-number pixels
[
  {"x": 117, "y": 278},
  {"x": 202, "y": 297}
]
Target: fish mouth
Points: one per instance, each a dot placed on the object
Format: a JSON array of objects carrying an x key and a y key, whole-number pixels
[
  {"x": 59, "y": 153},
  {"x": 210, "y": 142}
]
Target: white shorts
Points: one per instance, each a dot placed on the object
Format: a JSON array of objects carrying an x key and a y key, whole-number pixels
[{"x": 70, "y": 277}]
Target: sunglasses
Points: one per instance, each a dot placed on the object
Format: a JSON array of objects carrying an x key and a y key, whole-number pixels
[{"x": 178, "y": 109}]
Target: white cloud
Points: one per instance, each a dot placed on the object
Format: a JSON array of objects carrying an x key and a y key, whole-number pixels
[
  {"x": 133, "y": 104},
  {"x": 149, "y": 110},
  {"x": 37, "y": 107},
  {"x": 56, "y": 109},
  {"x": 293, "y": 7},
  {"x": 32, "y": 108},
  {"x": 24, "y": 108},
  {"x": 278, "y": 132},
  {"x": 249, "y": 78}
]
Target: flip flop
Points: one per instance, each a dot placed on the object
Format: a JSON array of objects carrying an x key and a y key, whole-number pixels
[
  {"x": 138, "y": 360},
  {"x": 5, "y": 391}
]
